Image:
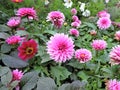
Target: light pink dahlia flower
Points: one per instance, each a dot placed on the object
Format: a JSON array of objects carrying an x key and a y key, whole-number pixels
[
  {"x": 113, "y": 85},
  {"x": 30, "y": 13},
  {"x": 57, "y": 18},
  {"x": 14, "y": 22},
  {"x": 115, "y": 55},
  {"x": 73, "y": 11},
  {"x": 117, "y": 35},
  {"x": 99, "y": 44},
  {"x": 74, "y": 32},
  {"x": 83, "y": 55},
  {"x": 60, "y": 48},
  {"x": 104, "y": 23},
  {"x": 17, "y": 75},
  {"x": 103, "y": 14}
]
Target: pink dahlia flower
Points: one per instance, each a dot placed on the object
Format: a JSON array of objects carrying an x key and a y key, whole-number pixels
[
  {"x": 13, "y": 40},
  {"x": 60, "y": 48},
  {"x": 57, "y": 18},
  {"x": 17, "y": 1},
  {"x": 103, "y": 14},
  {"x": 17, "y": 75},
  {"x": 14, "y": 22},
  {"x": 104, "y": 23},
  {"x": 115, "y": 55},
  {"x": 75, "y": 18},
  {"x": 99, "y": 44},
  {"x": 27, "y": 12},
  {"x": 113, "y": 85},
  {"x": 75, "y": 24},
  {"x": 74, "y": 32},
  {"x": 27, "y": 49},
  {"x": 83, "y": 55},
  {"x": 74, "y": 11},
  {"x": 117, "y": 35}
]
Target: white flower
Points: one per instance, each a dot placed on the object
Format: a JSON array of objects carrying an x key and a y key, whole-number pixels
[
  {"x": 46, "y": 2},
  {"x": 68, "y": 3},
  {"x": 86, "y": 13},
  {"x": 82, "y": 7},
  {"x": 106, "y": 1}
]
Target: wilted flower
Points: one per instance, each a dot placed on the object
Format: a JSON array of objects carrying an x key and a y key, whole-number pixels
[
  {"x": 99, "y": 44},
  {"x": 13, "y": 40},
  {"x": 17, "y": 75},
  {"x": 73, "y": 11},
  {"x": 113, "y": 85},
  {"x": 86, "y": 13},
  {"x": 104, "y": 23},
  {"x": 17, "y": 1},
  {"x": 117, "y": 35},
  {"x": 83, "y": 55},
  {"x": 115, "y": 55},
  {"x": 75, "y": 18},
  {"x": 14, "y": 22},
  {"x": 27, "y": 49},
  {"x": 46, "y": 2},
  {"x": 103, "y": 14},
  {"x": 57, "y": 18},
  {"x": 60, "y": 48},
  {"x": 93, "y": 32},
  {"x": 74, "y": 32},
  {"x": 82, "y": 7}
]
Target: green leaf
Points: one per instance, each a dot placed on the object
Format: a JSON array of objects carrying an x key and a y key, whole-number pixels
[
  {"x": 5, "y": 48},
  {"x": 82, "y": 75},
  {"x": 4, "y": 35},
  {"x": 4, "y": 88},
  {"x": 91, "y": 25},
  {"x": 21, "y": 33},
  {"x": 46, "y": 84},
  {"x": 63, "y": 87},
  {"x": 13, "y": 62},
  {"x": 4, "y": 28},
  {"x": 14, "y": 84},
  {"x": 29, "y": 80}
]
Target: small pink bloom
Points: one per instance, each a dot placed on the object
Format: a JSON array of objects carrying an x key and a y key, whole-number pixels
[
  {"x": 57, "y": 18},
  {"x": 75, "y": 18},
  {"x": 117, "y": 35},
  {"x": 113, "y": 85},
  {"x": 103, "y": 14},
  {"x": 14, "y": 22},
  {"x": 27, "y": 12},
  {"x": 83, "y": 55},
  {"x": 75, "y": 24},
  {"x": 115, "y": 55},
  {"x": 99, "y": 44},
  {"x": 17, "y": 1},
  {"x": 104, "y": 23},
  {"x": 60, "y": 48},
  {"x": 74, "y": 11},
  {"x": 74, "y": 32},
  {"x": 13, "y": 40},
  {"x": 17, "y": 75}
]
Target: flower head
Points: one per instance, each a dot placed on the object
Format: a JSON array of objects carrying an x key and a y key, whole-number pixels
[
  {"x": 27, "y": 12},
  {"x": 17, "y": 1},
  {"x": 60, "y": 48},
  {"x": 82, "y": 7},
  {"x": 117, "y": 35},
  {"x": 14, "y": 22},
  {"x": 76, "y": 24},
  {"x": 83, "y": 55},
  {"x": 68, "y": 3},
  {"x": 113, "y": 85},
  {"x": 115, "y": 55},
  {"x": 99, "y": 44},
  {"x": 75, "y": 18},
  {"x": 86, "y": 13},
  {"x": 103, "y": 14},
  {"x": 104, "y": 23},
  {"x": 27, "y": 49},
  {"x": 13, "y": 40},
  {"x": 57, "y": 18},
  {"x": 17, "y": 75},
  {"x": 73, "y": 11},
  {"x": 74, "y": 32}
]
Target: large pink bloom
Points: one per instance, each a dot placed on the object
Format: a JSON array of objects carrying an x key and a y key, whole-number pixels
[
  {"x": 104, "y": 23},
  {"x": 14, "y": 22},
  {"x": 27, "y": 49},
  {"x": 27, "y": 12},
  {"x": 13, "y": 40},
  {"x": 57, "y": 18},
  {"x": 83, "y": 55},
  {"x": 99, "y": 44},
  {"x": 113, "y": 85},
  {"x": 117, "y": 35},
  {"x": 74, "y": 32},
  {"x": 115, "y": 55},
  {"x": 103, "y": 14},
  {"x": 17, "y": 75},
  {"x": 60, "y": 47}
]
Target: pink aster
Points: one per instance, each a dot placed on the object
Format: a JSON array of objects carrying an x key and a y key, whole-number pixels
[
  {"x": 74, "y": 32},
  {"x": 117, "y": 35},
  {"x": 17, "y": 1},
  {"x": 99, "y": 44},
  {"x": 60, "y": 47},
  {"x": 83, "y": 55},
  {"x": 57, "y": 18},
  {"x": 103, "y": 14},
  {"x": 113, "y": 85},
  {"x": 75, "y": 18},
  {"x": 12, "y": 40},
  {"x": 27, "y": 12},
  {"x": 14, "y": 22},
  {"x": 17, "y": 75},
  {"x": 115, "y": 55},
  {"x": 75, "y": 24},
  {"x": 27, "y": 49},
  {"x": 73, "y": 11},
  {"x": 104, "y": 23}
]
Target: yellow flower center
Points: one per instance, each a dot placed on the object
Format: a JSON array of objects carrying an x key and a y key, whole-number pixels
[
  {"x": 82, "y": 55},
  {"x": 29, "y": 50},
  {"x": 17, "y": 0}
]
